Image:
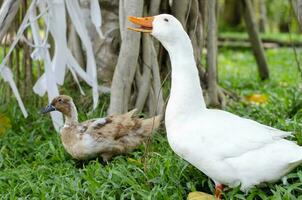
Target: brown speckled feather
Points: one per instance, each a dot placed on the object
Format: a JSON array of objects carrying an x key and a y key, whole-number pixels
[
  {"x": 116, "y": 126},
  {"x": 123, "y": 132}
]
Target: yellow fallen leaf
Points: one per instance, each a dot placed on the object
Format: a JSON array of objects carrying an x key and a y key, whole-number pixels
[
  {"x": 200, "y": 196},
  {"x": 257, "y": 98},
  {"x": 4, "y": 124},
  {"x": 137, "y": 162}
]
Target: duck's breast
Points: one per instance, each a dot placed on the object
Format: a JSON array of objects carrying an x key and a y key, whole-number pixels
[
  {"x": 78, "y": 145},
  {"x": 190, "y": 141}
]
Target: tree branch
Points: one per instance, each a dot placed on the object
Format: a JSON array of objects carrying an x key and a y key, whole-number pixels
[
  {"x": 8, "y": 12},
  {"x": 126, "y": 64}
]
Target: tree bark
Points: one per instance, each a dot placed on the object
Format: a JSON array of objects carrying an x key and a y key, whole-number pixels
[
  {"x": 231, "y": 13},
  {"x": 253, "y": 32},
  {"x": 212, "y": 54},
  {"x": 180, "y": 10},
  {"x": 75, "y": 45},
  {"x": 8, "y": 12},
  {"x": 144, "y": 87},
  {"x": 154, "y": 7},
  {"x": 156, "y": 86},
  {"x": 297, "y": 7},
  {"x": 263, "y": 16},
  {"x": 27, "y": 62},
  {"x": 126, "y": 64}
]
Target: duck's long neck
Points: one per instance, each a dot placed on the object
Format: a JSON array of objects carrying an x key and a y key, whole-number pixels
[
  {"x": 72, "y": 117},
  {"x": 186, "y": 95}
]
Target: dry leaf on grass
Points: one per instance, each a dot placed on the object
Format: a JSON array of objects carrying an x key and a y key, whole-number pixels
[
  {"x": 200, "y": 196},
  {"x": 257, "y": 99},
  {"x": 4, "y": 124}
]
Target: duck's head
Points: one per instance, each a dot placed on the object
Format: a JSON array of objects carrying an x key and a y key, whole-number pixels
[
  {"x": 164, "y": 27},
  {"x": 62, "y": 103}
]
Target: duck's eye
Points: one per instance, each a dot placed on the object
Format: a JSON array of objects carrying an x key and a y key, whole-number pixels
[
  {"x": 60, "y": 100},
  {"x": 166, "y": 19}
]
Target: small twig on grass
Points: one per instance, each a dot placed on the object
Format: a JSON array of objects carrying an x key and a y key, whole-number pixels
[{"x": 148, "y": 141}]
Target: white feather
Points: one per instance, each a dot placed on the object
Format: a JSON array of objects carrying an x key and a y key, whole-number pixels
[{"x": 229, "y": 149}]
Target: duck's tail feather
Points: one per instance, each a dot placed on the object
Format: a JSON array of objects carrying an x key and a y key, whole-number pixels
[
  {"x": 131, "y": 113},
  {"x": 297, "y": 161},
  {"x": 150, "y": 124}
]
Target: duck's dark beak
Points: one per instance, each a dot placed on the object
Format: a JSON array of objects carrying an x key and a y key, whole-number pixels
[
  {"x": 144, "y": 22},
  {"x": 48, "y": 109}
]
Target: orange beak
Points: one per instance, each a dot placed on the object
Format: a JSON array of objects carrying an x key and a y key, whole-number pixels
[{"x": 144, "y": 22}]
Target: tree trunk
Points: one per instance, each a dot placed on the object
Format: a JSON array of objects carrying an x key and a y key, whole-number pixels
[
  {"x": 145, "y": 78},
  {"x": 27, "y": 62},
  {"x": 256, "y": 44},
  {"x": 8, "y": 12},
  {"x": 127, "y": 60},
  {"x": 180, "y": 10},
  {"x": 212, "y": 54},
  {"x": 297, "y": 7},
  {"x": 263, "y": 16},
  {"x": 231, "y": 13},
  {"x": 75, "y": 45}
]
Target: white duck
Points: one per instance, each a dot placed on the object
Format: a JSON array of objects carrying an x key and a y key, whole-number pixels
[{"x": 231, "y": 150}]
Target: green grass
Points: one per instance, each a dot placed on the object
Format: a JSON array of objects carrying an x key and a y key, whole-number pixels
[{"x": 34, "y": 165}]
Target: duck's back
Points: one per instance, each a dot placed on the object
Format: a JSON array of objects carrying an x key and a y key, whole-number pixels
[
  {"x": 126, "y": 128},
  {"x": 123, "y": 133}
]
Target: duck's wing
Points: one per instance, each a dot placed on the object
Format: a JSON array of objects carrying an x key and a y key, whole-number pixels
[
  {"x": 230, "y": 135},
  {"x": 117, "y": 126},
  {"x": 89, "y": 125}
]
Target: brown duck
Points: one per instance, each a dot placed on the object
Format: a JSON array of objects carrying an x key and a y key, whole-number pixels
[{"x": 104, "y": 137}]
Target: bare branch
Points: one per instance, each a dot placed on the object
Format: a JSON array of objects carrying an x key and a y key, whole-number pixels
[
  {"x": 253, "y": 32},
  {"x": 297, "y": 7},
  {"x": 143, "y": 89},
  {"x": 126, "y": 64},
  {"x": 8, "y": 12},
  {"x": 212, "y": 54}
]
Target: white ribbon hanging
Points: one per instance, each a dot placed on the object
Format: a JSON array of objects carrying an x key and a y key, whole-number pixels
[
  {"x": 7, "y": 75},
  {"x": 57, "y": 25},
  {"x": 75, "y": 14},
  {"x": 48, "y": 80},
  {"x": 96, "y": 16},
  {"x": 5, "y": 71},
  {"x": 53, "y": 12}
]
